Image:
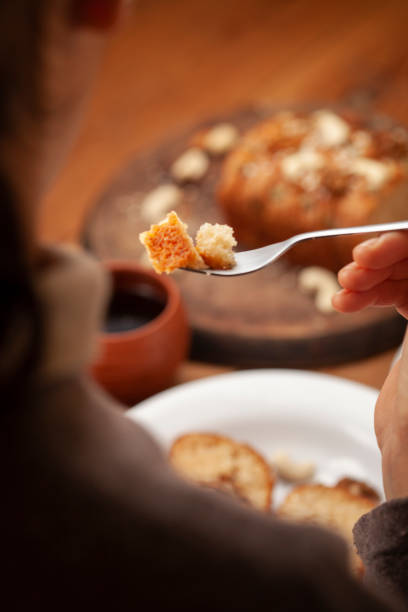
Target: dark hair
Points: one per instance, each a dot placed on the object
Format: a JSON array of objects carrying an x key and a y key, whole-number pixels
[{"x": 20, "y": 313}]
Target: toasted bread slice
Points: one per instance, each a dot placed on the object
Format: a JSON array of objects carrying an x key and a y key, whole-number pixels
[
  {"x": 337, "y": 508},
  {"x": 221, "y": 463},
  {"x": 170, "y": 247},
  {"x": 358, "y": 488}
]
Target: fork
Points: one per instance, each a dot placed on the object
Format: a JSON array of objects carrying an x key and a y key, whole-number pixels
[{"x": 251, "y": 261}]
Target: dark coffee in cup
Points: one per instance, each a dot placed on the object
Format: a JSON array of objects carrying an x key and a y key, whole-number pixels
[{"x": 132, "y": 307}]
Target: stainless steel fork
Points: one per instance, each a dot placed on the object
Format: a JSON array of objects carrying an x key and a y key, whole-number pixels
[{"x": 251, "y": 261}]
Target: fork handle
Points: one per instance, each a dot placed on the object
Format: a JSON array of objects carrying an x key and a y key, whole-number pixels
[{"x": 358, "y": 229}]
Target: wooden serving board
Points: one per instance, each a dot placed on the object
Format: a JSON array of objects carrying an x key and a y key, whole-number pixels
[{"x": 261, "y": 319}]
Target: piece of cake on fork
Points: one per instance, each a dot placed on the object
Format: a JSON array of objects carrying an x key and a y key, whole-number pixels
[
  {"x": 169, "y": 246},
  {"x": 215, "y": 244}
]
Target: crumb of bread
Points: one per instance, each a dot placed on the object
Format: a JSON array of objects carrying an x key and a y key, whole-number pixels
[
  {"x": 221, "y": 463},
  {"x": 215, "y": 244},
  {"x": 170, "y": 247}
]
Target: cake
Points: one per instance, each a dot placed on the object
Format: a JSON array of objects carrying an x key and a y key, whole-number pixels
[
  {"x": 220, "y": 463},
  {"x": 336, "y": 508},
  {"x": 169, "y": 246},
  {"x": 298, "y": 172},
  {"x": 215, "y": 244}
]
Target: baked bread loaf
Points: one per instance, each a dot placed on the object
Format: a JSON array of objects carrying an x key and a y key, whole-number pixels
[
  {"x": 169, "y": 246},
  {"x": 337, "y": 508},
  {"x": 298, "y": 172},
  {"x": 221, "y": 463}
]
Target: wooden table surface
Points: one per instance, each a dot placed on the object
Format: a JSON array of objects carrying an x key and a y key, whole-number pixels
[{"x": 174, "y": 63}]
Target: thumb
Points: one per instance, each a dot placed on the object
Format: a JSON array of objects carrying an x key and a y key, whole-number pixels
[{"x": 402, "y": 386}]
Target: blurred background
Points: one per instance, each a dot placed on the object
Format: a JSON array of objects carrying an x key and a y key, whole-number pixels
[{"x": 175, "y": 63}]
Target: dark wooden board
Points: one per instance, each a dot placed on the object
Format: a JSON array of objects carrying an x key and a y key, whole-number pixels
[{"x": 257, "y": 320}]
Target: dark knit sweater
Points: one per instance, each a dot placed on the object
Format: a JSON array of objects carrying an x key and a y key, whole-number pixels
[
  {"x": 92, "y": 517},
  {"x": 381, "y": 537}
]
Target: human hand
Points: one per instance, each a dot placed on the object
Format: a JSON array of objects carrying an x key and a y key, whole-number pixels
[
  {"x": 391, "y": 428},
  {"x": 378, "y": 275}
]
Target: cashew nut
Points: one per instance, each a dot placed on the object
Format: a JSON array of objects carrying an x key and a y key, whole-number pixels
[
  {"x": 158, "y": 202},
  {"x": 292, "y": 471},
  {"x": 331, "y": 129},
  {"x": 322, "y": 283},
  {"x": 375, "y": 173},
  {"x": 296, "y": 165},
  {"x": 220, "y": 138},
  {"x": 190, "y": 166}
]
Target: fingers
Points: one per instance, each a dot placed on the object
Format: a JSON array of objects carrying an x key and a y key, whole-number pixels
[
  {"x": 355, "y": 278},
  {"x": 400, "y": 270},
  {"x": 378, "y": 276},
  {"x": 402, "y": 388},
  {"x": 352, "y": 301},
  {"x": 385, "y": 405},
  {"x": 383, "y": 251},
  {"x": 387, "y": 293}
]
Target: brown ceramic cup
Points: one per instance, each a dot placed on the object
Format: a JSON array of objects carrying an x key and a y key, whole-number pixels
[{"x": 141, "y": 361}]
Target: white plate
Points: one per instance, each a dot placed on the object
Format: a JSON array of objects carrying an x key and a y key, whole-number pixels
[{"x": 311, "y": 416}]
